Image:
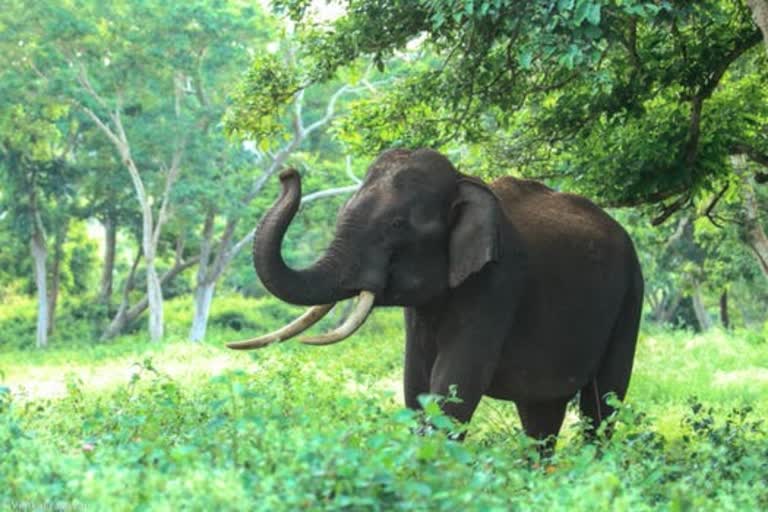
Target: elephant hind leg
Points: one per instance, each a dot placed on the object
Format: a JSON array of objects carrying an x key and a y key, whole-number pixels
[
  {"x": 542, "y": 421},
  {"x": 616, "y": 367}
]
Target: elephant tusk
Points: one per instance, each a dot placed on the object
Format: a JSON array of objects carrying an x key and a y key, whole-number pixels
[
  {"x": 350, "y": 325},
  {"x": 301, "y": 324}
]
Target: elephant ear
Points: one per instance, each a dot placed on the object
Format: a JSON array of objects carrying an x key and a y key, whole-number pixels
[{"x": 474, "y": 239}]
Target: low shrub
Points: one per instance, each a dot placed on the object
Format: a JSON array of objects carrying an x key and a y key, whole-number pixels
[{"x": 173, "y": 426}]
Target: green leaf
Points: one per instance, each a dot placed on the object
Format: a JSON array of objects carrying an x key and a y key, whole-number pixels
[
  {"x": 525, "y": 59},
  {"x": 593, "y": 14},
  {"x": 581, "y": 12}
]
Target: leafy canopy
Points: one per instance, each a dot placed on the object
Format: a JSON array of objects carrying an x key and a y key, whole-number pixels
[{"x": 636, "y": 101}]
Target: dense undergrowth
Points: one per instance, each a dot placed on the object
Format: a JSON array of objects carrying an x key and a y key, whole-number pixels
[{"x": 128, "y": 425}]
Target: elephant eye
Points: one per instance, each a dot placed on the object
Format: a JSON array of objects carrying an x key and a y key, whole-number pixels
[{"x": 398, "y": 223}]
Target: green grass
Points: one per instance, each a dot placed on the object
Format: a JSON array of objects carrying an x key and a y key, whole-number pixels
[{"x": 130, "y": 425}]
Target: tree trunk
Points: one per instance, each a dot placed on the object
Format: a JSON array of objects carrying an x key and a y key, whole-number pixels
[
  {"x": 755, "y": 235},
  {"x": 119, "y": 321},
  {"x": 58, "y": 255},
  {"x": 39, "y": 255},
  {"x": 108, "y": 270},
  {"x": 127, "y": 313},
  {"x": 150, "y": 229},
  {"x": 155, "y": 300},
  {"x": 666, "y": 307},
  {"x": 760, "y": 15},
  {"x": 702, "y": 316},
  {"x": 203, "y": 299},
  {"x": 206, "y": 282},
  {"x": 724, "y": 317},
  {"x": 39, "y": 250}
]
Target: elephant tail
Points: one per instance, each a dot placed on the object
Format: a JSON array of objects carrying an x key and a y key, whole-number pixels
[{"x": 614, "y": 372}]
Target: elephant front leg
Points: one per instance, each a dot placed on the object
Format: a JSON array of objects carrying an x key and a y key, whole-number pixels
[
  {"x": 469, "y": 373},
  {"x": 542, "y": 422},
  {"x": 419, "y": 356},
  {"x": 470, "y": 335}
]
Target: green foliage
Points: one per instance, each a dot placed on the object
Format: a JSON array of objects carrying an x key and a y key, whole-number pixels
[
  {"x": 594, "y": 96},
  {"x": 270, "y": 82},
  {"x": 77, "y": 323},
  {"x": 631, "y": 101},
  {"x": 80, "y": 261},
  {"x": 130, "y": 425}
]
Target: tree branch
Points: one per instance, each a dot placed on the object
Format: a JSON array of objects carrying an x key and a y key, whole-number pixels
[
  {"x": 329, "y": 110},
  {"x": 328, "y": 193},
  {"x": 652, "y": 198},
  {"x": 101, "y": 125},
  {"x": 85, "y": 83},
  {"x": 755, "y": 155},
  {"x": 348, "y": 168},
  {"x": 711, "y": 82},
  {"x": 694, "y": 132},
  {"x": 713, "y": 203},
  {"x": 668, "y": 210},
  {"x": 169, "y": 275},
  {"x": 170, "y": 178}
]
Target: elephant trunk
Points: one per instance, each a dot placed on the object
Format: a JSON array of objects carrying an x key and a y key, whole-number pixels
[{"x": 317, "y": 284}]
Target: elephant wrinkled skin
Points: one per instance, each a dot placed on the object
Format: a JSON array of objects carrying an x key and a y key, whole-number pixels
[{"x": 510, "y": 289}]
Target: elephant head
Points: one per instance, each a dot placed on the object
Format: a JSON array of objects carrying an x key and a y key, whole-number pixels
[{"x": 415, "y": 228}]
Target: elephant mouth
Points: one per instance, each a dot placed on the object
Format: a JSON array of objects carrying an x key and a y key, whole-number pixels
[{"x": 365, "y": 302}]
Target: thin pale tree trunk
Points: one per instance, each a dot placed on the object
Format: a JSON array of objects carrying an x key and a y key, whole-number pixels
[
  {"x": 155, "y": 296},
  {"x": 754, "y": 233},
  {"x": 39, "y": 255},
  {"x": 151, "y": 226},
  {"x": 702, "y": 316},
  {"x": 203, "y": 300},
  {"x": 53, "y": 294},
  {"x": 127, "y": 313},
  {"x": 38, "y": 246},
  {"x": 120, "y": 319},
  {"x": 760, "y": 15},
  {"x": 206, "y": 278},
  {"x": 108, "y": 269}
]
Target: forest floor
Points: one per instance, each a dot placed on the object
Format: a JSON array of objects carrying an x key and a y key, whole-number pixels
[{"x": 131, "y": 424}]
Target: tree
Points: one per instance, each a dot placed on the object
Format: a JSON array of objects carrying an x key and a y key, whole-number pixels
[
  {"x": 546, "y": 74},
  {"x": 633, "y": 103},
  {"x": 145, "y": 90},
  {"x": 760, "y": 15},
  {"x": 33, "y": 156}
]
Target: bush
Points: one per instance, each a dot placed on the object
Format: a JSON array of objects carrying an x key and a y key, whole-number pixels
[{"x": 294, "y": 427}]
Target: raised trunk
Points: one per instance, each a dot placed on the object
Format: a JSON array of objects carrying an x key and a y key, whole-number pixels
[
  {"x": 317, "y": 284},
  {"x": 203, "y": 299}
]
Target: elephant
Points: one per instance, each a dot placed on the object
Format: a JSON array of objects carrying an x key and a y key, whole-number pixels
[{"x": 510, "y": 289}]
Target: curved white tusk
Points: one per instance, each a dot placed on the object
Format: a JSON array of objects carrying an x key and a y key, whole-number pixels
[
  {"x": 301, "y": 324},
  {"x": 350, "y": 325}
]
